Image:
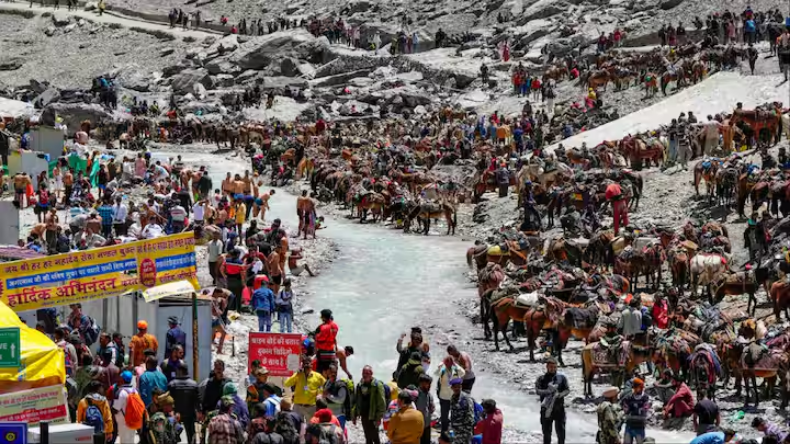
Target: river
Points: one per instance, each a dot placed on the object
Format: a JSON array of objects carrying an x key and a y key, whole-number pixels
[{"x": 384, "y": 282}]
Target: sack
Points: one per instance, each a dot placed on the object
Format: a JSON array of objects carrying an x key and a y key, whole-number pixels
[
  {"x": 348, "y": 403},
  {"x": 93, "y": 417},
  {"x": 92, "y": 332},
  {"x": 135, "y": 410}
]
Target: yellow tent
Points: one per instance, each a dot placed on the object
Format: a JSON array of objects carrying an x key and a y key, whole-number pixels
[{"x": 42, "y": 361}]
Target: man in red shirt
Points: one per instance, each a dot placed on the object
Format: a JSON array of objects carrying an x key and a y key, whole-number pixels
[
  {"x": 491, "y": 424},
  {"x": 326, "y": 341}
]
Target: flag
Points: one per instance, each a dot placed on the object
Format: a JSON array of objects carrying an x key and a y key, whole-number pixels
[{"x": 13, "y": 433}]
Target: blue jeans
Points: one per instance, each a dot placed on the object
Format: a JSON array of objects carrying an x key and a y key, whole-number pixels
[
  {"x": 673, "y": 150},
  {"x": 342, "y": 420},
  {"x": 286, "y": 319},
  {"x": 264, "y": 321}
]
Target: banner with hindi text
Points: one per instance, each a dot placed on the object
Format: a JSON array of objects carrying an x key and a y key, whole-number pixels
[{"x": 98, "y": 273}]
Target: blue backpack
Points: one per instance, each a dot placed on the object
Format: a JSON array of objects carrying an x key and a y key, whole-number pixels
[
  {"x": 478, "y": 411},
  {"x": 93, "y": 417}
]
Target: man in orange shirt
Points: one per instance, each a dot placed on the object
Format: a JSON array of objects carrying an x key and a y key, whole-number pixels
[{"x": 141, "y": 342}]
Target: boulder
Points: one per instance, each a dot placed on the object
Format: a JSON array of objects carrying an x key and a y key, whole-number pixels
[
  {"x": 74, "y": 113},
  {"x": 340, "y": 79},
  {"x": 183, "y": 82},
  {"x": 166, "y": 52},
  {"x": 289, "y": 67},
  {"x": 50, "y": 31},
  {"x": 224, "y": 80},
  {"x": 70, "y": 27},
  {"x": 199, "y": 91},
  {"x": 45, "y": 98},
  {"x": 60, "y": 19},
  {"x": 284, "y": 82},
  {"x": 669, "y": 4},
  {"x": 170, "y": 71},
  {"x": 39, "y": 86},
  {"x": 11, "y": 64},
  {"x": 359, "y": 6},
  {"x": 136, "y": 81},
  {"x": 463, "y": 80},
  {"x": 259, "y": 53}
]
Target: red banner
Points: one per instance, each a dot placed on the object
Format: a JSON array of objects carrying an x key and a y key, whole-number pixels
[{"x": 278, "y": 352}]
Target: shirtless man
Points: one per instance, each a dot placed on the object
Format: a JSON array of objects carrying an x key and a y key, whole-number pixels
[
  {"x": 68, "y": 184},
  {"x": 227, "y": 185},
  {"x": 293, "y": 265},
  {"x": 301, "y": 204},
  {"x": 219, "y": 303},
  {"x": 238, "y": 185},
  {"x": 51, "y": 221},
  {"x": 309, "y": 215},
  {"x": 262, "y": 203},
  {"x": 275, "y": 271},
  {"x": 247, "y": 183},
  {"x": 21, "y": 181},
  {"x": 186, "y": 176}
]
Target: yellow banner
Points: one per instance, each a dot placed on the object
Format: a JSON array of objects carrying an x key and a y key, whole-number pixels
[
  {"x": 98, "y": 273},
  {"x": 33, "y": 406},
  {"x": 167, "y": 259}
]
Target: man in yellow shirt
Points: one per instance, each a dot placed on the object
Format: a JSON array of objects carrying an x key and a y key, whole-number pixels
[
  {"x": 307, "y": 385},
  {"x": 407, "y": 425},
  {"x": 240, "y": 214}
]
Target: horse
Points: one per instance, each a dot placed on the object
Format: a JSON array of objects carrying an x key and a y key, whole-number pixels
[
  {"x": 504, "y": 310},
  {"x": 705, "y": 268},
  {"x": 678, "y": 77},
  {"x": 706, "y": 170},
  {"x": 426, "y": 211},
  {"x": 595, "y": 360},
  {"x": 736, "y": 283},
  {"x": 488, "y": 280}
]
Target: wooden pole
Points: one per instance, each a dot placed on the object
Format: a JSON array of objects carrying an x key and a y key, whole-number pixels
[{"x": 195, "y": 375}]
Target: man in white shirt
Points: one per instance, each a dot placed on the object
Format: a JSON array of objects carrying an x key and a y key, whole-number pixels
[
  {"x": 215, "y": 247},
  {"x": 178, "y": 214},
  {"x": 119, "y": 217},
  {"x": 199, "y": 210},
  {"x": 125, "y": 434},
  {"x": 152, "y": 230}
]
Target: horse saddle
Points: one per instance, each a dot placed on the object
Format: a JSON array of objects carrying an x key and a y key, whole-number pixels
[
  {"x": 579, "y": 243},
  {"x": 611, "y": 352},
  {"x": 706, "y": 165},
  {"x": 531, "y": 300}
]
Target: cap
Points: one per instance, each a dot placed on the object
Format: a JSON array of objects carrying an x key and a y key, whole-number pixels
[
  {"x": 230, "y": 389},
  {"x": 456, "y": 381},
  {"x": 263, "y": 371},
  {"x": 611, "y": 392},
  {"x": 173, "y": 320},
  {"x": 324, "y": 415},
  {"x": 551, "y": 360},
  {"x": 126, "y": 376},
  {"x": 142, "y": 325},
  {"x": 638, "y": 382}
]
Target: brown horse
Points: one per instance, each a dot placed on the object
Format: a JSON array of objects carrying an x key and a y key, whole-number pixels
[
  {"x": 504, "y": 310},
  {"x": 737, "y": 283},
  {"x": 679, "y": 266},
  {"x": 426, "y": 211},
  {"x": 706, "y": 171},
  {"x": 678, "y": 77},
  {"x": 594, "y": 361},
  {"x": 636, "y": 149}
]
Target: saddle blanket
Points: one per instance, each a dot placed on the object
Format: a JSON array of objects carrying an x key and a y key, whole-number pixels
[{"x": 601, "y": 355}]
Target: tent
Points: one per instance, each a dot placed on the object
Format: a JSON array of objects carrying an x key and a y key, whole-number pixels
[{"x": 42, "y": 361}]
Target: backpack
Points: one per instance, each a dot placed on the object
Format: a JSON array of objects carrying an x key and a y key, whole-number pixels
[
  {"x": 93, "y": 417},
  {"x": 478, "y": 409},
  {"x": 92, "y": 332},
  {"x": 135, "y": 410},
  {"x": 348, "y": 403},
  {"x": 387, "y": 393}
]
